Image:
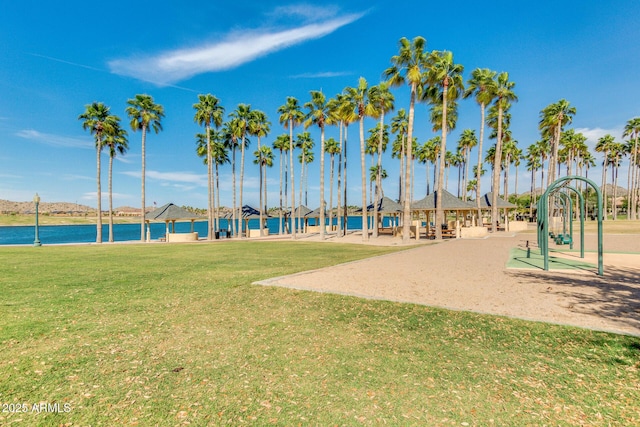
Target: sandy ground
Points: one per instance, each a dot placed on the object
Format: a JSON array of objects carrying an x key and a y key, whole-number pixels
[{"x": 471, "y": 275}]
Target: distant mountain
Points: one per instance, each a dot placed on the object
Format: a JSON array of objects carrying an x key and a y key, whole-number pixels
[{"x": 9, "y": 207}]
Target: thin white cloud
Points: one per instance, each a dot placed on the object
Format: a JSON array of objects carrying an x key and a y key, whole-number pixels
[
  {"x": 321, "y": 75},
  {"x": 199, "y": 180},
  {"x": 55, "y": 140},
  {"x": 593, "y": 135},
  {"x": 306, "y": 11},
  {"x": 236, "y": 49}
]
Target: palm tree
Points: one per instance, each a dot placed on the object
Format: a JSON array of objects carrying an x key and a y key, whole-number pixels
[
  {"x": 605, "y": 145},
  {"x": 482, "y": 84},
  {"x": 445, "y": 85},
  {"x": 400, "y": 126},
  {"x": 429, "y": 152},
  {"x": 331, "y": 147},
  {"x": 97, "y": 119},
  {"x": 319, "y": 112},
  {"x": 232, "y": 133},
  {"x": 208, "y": 112},
  {"x": 144, "y": 113},
  {"x": 466, "y": 142},
  {"x": 116, "y": 140},
  {"x": 264, "y": 158},
  {"x": 244, "y": 117},
  {"x": 407, "y": 67},
  {"x": 343, "y": 113},
  {"x": 533, "y": 164},
  {"x": 552, "y": 119},
  {"x": 282, "y": 144},
  {"x": 383, "y": 101},
  {"x": 305, "y": 143},
  {"x": 259, "y": 126},
  {"x": 504, "y": 96},
  {"x": 632, "y": 130},
  {"x": 360, "y": 98},
  {"x": 290, "y": 117},
  {"x": 220, "y": 156},
  {"x": 615, "y": 159}
]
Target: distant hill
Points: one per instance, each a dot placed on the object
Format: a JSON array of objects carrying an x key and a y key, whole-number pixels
[{"x": 9, "y": 207}]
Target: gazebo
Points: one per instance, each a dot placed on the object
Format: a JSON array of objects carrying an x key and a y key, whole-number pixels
[
  {"x": 386, "y": 206},
  {"x": 248, "y": 213},
  {"x": 449, "y": 203},
  {"x": 315, "y": 214},
  {"x": 301, "y": 212},
  {"x": 171, "y": 213},
  {"x": 485, "y": 203}
]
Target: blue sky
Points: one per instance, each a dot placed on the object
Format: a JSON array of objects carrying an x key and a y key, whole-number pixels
[{"x": 56, "y": 57}]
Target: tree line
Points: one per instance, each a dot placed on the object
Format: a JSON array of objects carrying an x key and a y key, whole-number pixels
[{"x": 432, "y": 77}]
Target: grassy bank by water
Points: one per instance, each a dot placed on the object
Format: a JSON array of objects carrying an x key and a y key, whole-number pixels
[{"x": 176, "y": 334}]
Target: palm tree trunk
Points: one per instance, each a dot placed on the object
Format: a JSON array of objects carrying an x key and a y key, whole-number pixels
[
  {"x": 339, "y": 213},
  {"x": 241, "y": 228},
  {"x": 482, "y": 112},
  {"x": 217, "y": 200},
  {"x": 234, "y": 214},
  {"x": 378, "y": 177},
  {"x": 280, "y": 212},
  {"x": 293, "y": 181},
  {"x": 604, "y": 186},
  {"x": 406, "y": 212},
  {"x": 443, "y": 151},
  {"x": 365, "y": 225},
  {"x": 302, "y": 163},
  {"x": 466, "y": 173},
  {"x": 344, "y": 171},
  {"x": 497, "y": 161},
  {"x": 99, "y": 192},
  {"x": 110, "y": 199},
  {"x": 331, "y": 192},
  {"x": 209, "y": 186},
  {"x": 322, "y": 203},
  {"x": 143, "y": 175}
]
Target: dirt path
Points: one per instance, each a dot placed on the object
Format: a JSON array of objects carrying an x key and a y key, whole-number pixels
[{"x": 472, "y": 275}]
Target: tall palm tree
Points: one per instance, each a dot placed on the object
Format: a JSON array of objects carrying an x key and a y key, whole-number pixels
[
  {"x": 359, "y": 96},
  {"x": 504, "y": 95},
  {"x": 533, "y": 164},
  {"x": 98, "y": 121},
  {"x": 264, "y": 158},
  {"x": 605, "y": 145},
  {"x": 244, "y": 117},
  {"x": 116, "y": 141},
  {"x": 259, "y": 126},
  {"x": 208, "y": 112},
  {"x": 482, "y": 84},
  {"x": 615, "y": 159},
  {"x": 290, "y": 117},
  {"x": 444, "y": 79},
  {"x": 281, "y": 144},
  {"x": 383, "y": 101},
  {"x": 429, "y": 152},
  {"x": 305, "y": 143},
  {"x": 552, "y": 119},
  {"x": 407, "y": 67},
  {"x": 220, "y": 156},
  {"x": 331, "y": 147},
  {"x": 466, "y": 142},
  {"x": 400, "y": 126},
  {"x": 319, "y": 112},
  {"x": 343, "y": 113},
  {"x": 232, "y": 136},
  {"x": 144, "y": 114},
  {"x": 632, "y": 130}
]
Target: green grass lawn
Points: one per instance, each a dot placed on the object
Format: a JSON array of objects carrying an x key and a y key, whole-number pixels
[{"x": 176, "y": 334}]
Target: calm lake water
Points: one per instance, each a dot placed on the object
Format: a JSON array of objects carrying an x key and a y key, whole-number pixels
[{"x": 57, "y": 234}]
